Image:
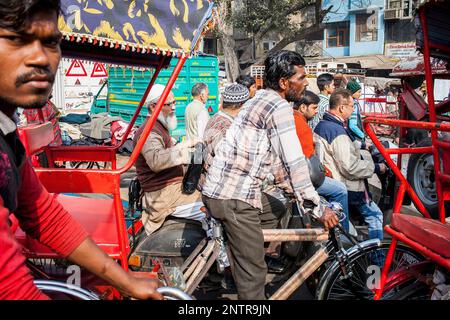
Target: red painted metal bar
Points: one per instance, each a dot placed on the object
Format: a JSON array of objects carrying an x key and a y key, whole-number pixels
[
  {"x": 385, "y": 270},
  {"x": 410, "y": 124},
  {"x": 121, "y": 224},
  {"x": 395, "y": 169},
  {"x": 154, "y": 116},
  {"x": 431, "y": 107},
  {"x": 141, "y": 103},
  {"x": 399, "y": 198},
  {"x": 417, "y": 246},
  {"x": 410, "y": 150}
]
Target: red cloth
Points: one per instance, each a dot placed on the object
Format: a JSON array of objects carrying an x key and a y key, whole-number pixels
[
  {"x": 42, "y": 218},
  {"x": 304, "y": 133},
  {"x": 50, "y": 113}
]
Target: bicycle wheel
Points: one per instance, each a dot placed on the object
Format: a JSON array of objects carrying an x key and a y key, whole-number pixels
[{"x": 366, "y": 267}]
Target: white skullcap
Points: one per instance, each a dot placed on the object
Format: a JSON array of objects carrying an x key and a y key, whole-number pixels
[{"x": 155, "y": 93}]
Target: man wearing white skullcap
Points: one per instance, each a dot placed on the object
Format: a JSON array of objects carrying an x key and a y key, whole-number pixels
[{"x": 160, "y": 168}]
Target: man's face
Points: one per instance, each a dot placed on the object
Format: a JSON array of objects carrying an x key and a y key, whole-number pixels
[
  {"x": 168, "y": 108},
  {"x": 252, "y": 90},
  {"x": 205, "y": 95},
  {"x": 295, "y": 86},
  {"x": 309, "y": 111},
  {"x": 331, "y": 87},
  {"x": 346, "y": 108},
  {"x": 28, "y": 63}
]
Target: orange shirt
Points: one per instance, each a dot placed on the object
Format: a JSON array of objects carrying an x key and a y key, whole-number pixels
[{"x": 304, "y": 133}]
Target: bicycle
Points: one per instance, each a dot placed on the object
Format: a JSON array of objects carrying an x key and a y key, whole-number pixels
[{"x": 343, "y": 272}]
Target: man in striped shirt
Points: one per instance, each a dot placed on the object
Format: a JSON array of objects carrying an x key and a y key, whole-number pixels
[
  {"x": 325, "y": 83},
  {"x": 262, "y": 140}
]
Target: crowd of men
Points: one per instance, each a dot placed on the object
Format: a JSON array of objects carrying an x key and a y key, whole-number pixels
[{"x": 274, "y": 132}]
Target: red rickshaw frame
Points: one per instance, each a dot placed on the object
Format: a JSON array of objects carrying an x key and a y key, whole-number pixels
[{"x": 442, "y": 178}]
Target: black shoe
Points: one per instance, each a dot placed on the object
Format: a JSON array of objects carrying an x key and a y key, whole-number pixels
[{"x": 275, "y": 265}]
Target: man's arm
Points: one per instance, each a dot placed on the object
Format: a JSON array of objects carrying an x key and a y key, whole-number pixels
[
  {"x": 351, "y": 166},
  {"x": 16, "y": 282},
  {"x": 44, "y": 219},
  {"x": 286, "y": 144},
  {"x": 160, "y": 158}
]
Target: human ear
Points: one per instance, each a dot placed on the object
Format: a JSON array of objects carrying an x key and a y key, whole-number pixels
[{"x": 283, "y": 83}]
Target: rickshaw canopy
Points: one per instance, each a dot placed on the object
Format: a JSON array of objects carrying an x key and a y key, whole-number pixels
[{"x": 130, "y": 32}]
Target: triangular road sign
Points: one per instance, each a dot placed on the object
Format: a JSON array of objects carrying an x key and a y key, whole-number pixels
[
  {"x": 76, "y": 69},
  {"x": 78, "y": 82},
  {"x": 99, "y": 71}
]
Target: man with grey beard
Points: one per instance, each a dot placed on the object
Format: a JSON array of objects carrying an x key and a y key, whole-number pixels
[{"x": 160, "y": 168}]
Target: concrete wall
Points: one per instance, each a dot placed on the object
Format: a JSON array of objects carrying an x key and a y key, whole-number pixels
[{"x": 367, "y": 47}]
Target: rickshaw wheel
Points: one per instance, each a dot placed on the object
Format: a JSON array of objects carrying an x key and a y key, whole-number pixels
[{"x": 421, "y": 177}]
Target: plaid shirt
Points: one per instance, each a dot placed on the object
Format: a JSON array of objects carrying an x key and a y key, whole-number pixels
[
  {"x": 324, "y": 105},
  {"x": 261, "y": 140}
]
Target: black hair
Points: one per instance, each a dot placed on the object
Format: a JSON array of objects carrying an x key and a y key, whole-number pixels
[
  {"x": 232, "y": 105},
  {"x": 337, "y": 96},
  {"x": 280, "y": 64},
  {"x": 307, "y": 99},
  {"x": 198, "y": 88},
  {"x": 325, "y": 79},
  {"x": 247, "y": 81},
  {"x": 15, "y": 14}
]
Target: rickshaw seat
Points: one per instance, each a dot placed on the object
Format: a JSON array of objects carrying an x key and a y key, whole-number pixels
[
  {"x": 415, "y": 103},
  {"x": 36, "y": 136},
  {"x": 430, "y": 233},
  {"x": 97, "y": 216}
]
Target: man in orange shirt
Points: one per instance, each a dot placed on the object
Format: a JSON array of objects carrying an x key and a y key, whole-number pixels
[{"x": 304, "y": 110}]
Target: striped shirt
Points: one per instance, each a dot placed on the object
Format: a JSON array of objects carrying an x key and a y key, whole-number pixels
[
  {"x": 324, "y": 105},
  {"x": 261, "y": 140}
]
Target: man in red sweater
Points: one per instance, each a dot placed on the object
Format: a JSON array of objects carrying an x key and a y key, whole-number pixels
[
  {"x": 29, "y": 57},
  {"x": 304, "y": 110}
]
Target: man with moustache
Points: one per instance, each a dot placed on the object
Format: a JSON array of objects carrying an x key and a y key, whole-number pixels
[
  {"x": 160, "y": 171},
  {"x": 261, "y": 140},
  {"x": 29, "y": 57}
]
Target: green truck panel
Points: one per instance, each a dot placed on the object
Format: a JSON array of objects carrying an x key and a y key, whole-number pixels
[{"x": 126, "y": 87}]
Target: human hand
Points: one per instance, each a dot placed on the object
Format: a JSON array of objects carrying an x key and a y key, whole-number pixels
[
  {"x": 144, "y": 288},
  {"x": 383, "y": 168},
  {"x": 329, "y": 218}
]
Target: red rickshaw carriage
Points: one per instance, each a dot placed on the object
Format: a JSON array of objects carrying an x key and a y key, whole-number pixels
[
  {"x": 140, "y": 34},
  {"x": 426, "y": 236}
]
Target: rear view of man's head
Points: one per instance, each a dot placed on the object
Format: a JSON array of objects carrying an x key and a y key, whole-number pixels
[
  {"x": 234, "y": 96},
  {"x": 285, "y": 73},
  {"x": 200, "y": 92},
  {"x": 29, "y": 52},
  {"x": 325, "y": 83},
  {"x": 341, "y": 103}
]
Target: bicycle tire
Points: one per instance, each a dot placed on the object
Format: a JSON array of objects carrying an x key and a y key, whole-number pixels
[{"x": 332, "y": 286}]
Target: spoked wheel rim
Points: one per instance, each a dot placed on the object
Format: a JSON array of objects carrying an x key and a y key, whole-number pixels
[{"x": 366, "y": 271}]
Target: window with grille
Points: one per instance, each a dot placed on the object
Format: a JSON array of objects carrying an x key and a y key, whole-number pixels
[
  {"x": 366, "y": 27},
  {"x": 337, "y": 34}
]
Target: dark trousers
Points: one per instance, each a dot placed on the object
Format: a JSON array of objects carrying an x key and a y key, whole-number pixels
[{"x": 243, "y": 226}]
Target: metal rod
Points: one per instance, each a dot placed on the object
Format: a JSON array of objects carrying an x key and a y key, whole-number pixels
[
  {"x": 431, "y": 108},
  {"x": 295, "y": 235},
  {"x": 297, "y": 279},
  {"x": 385, "y": 270},
  {"x": 196, "y": 279},
  {"x": 193, "y": 255},
  {"x": 201, "y": 265},
  {"x": 395, "y": 169}
]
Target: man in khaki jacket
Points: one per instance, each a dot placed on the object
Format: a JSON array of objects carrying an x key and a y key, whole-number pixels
[
  {"x": 160, "y": 168},
  {"x": 343, "y": 156}
]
